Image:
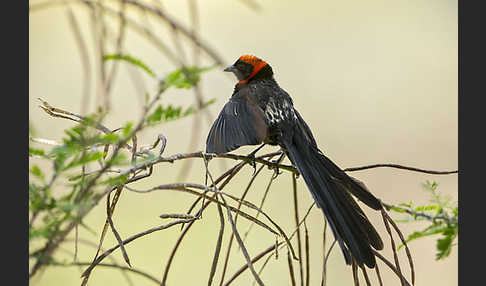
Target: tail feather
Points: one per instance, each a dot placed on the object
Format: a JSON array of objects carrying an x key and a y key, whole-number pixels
[{"x": 330, "y": 190}]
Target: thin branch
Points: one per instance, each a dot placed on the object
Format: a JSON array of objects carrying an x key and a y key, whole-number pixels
[
  {"x": 242, "y": 246},
  {"x": 123, "y": 268},
  {"x": 325, "y": 261},
  {"x": 307, "y": 256},
  {"x": 272, "y": 178},
  {"x": 186, "y": 187},
  {"x": 113, "y": 229},
  {"x": 355, "y": 272},
  {"x": 365, "y": 275},
  {"x": 271, "y": 249},
  {"x": 119, "y": 45},
  {"x": 391, "y": 266},
  {"x": 230, "y": 243},
  {"x": 228, "y": 175},
  {"x": 296, "y": 217},
  {"x": 400, "y": 167},
  {"x": 377, "y": 270},
  {"x": 218, "y": 245},
  {"x": 84, "y": 59},
  {"x": 448, "y": 219},
  {"x": 291, "y": 268},
  {"x": 407, "y": 250},
  {"x": 395, "y": 255},
  {"x": 324, "y": 232},
  {"x": 268, "y": 250},
  {"x": 130, "y": 239}
]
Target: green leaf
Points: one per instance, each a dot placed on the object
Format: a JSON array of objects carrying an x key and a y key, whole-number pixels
[
  {"x": 66, "y": 206},
  {"x": 455, "y": 211},
  {"x": 130, "y": 59},
  {"x": 127, "y": 129},
  {"x": 164, "y": 114},
  {"x": 444, "y": 245},
  {"x": 120, "y": 159},
  {"x": 410, "y": 219},
  {"x": 426, "y": 208},
  {"x": 37, "y": 152},
  {"x": 208, "y": 103},
  {"x": 430, "y": 230},
  {"x": 110, "y": 138},
  {"x": 84, "y": 159},
  {"x": 396, "y": 209},
  {"x": 37, "y": 172},
  {"x": 36, "y": 201},
  {"x": 79, "y": 176},
  {"x": 43, "y": 231},
  {"x": 407, "y": 205},
  {"x": 185, "y": 77},
  {"x": 117, "y": 180}
]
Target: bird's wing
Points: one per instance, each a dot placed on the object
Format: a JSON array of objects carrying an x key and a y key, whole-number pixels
[{"x": 241, "y": 122}]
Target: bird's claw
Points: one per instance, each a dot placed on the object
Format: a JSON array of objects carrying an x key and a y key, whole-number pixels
[
  {"x": 275, "y": 168},
  {"x": 252, "y": 162}
]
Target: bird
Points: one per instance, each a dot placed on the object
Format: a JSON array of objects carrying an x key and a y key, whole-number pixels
[{"x": 260, "y": 112}]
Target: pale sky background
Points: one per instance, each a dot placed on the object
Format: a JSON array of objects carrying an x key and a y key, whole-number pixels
[{"x": 375, "y": 80}]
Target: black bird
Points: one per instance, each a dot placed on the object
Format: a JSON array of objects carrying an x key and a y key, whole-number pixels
[{"x": 260, "y": 111}]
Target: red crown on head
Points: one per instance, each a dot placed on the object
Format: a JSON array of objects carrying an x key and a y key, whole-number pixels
[{"x": 252, "y": 60}]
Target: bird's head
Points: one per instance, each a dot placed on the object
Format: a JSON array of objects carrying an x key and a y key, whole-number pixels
[{"x": 249, "y": 67}]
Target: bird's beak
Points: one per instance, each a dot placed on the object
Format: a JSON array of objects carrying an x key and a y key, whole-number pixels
[{"x": 230, "y": 68}]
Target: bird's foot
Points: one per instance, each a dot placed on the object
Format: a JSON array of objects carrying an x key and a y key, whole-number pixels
[
  {"x": 275, "y": 167},
  {"x": 252, "y": 161}
]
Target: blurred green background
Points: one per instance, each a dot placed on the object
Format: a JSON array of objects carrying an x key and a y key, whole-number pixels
[{"x": 375, "y": 80}]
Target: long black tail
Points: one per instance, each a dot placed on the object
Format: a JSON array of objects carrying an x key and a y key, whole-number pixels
[{"x": 331, "y": 187}]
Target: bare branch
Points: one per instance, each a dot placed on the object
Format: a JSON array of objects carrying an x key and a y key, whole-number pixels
[
  {"x": 130, "y": 239},
  {"x": 400, "y": 167}
]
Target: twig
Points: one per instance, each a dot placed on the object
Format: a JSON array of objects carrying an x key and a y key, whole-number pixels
[
  {"x": 291, "y": 268},
  {"x": 228, "y": 175},
  {"x": 325, "y": 261},
  {"x": 84, "y": 60},
  {"x": 407, "y": 250},
  {"x": 242, "y": 246},
  {"x": 268, "y": 250},
  {"x": 130, "y": 239},
  {"x": 113, "y": 229},
  {"x": 400, "y": 167},
  {"x": 44, "y": 141},
  {"x": 395, "y": 255},
  {"x": 378, "y": 274},
  {"x": 391, "y": 266},
  {"x": 185, "y": 216},
  {"x": 323, "y": 281},
  {"x": 365, "y": 274},
  {"x": 355, "y": 272},
  {"x": 218, "y": 245},
  {"x": 187, "y": 187},
  {"x": 123, "y": 268},
  {"x": 113, "y": 260},
  {"x": 307, "y": 256},
  {"x": 449, "y": 220},
  {"x": 272, "y": 178},
  {"x": 230, "y": 242},
  {"x": 296, "y": 217},
  {"x": 119, "y": 45}
]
